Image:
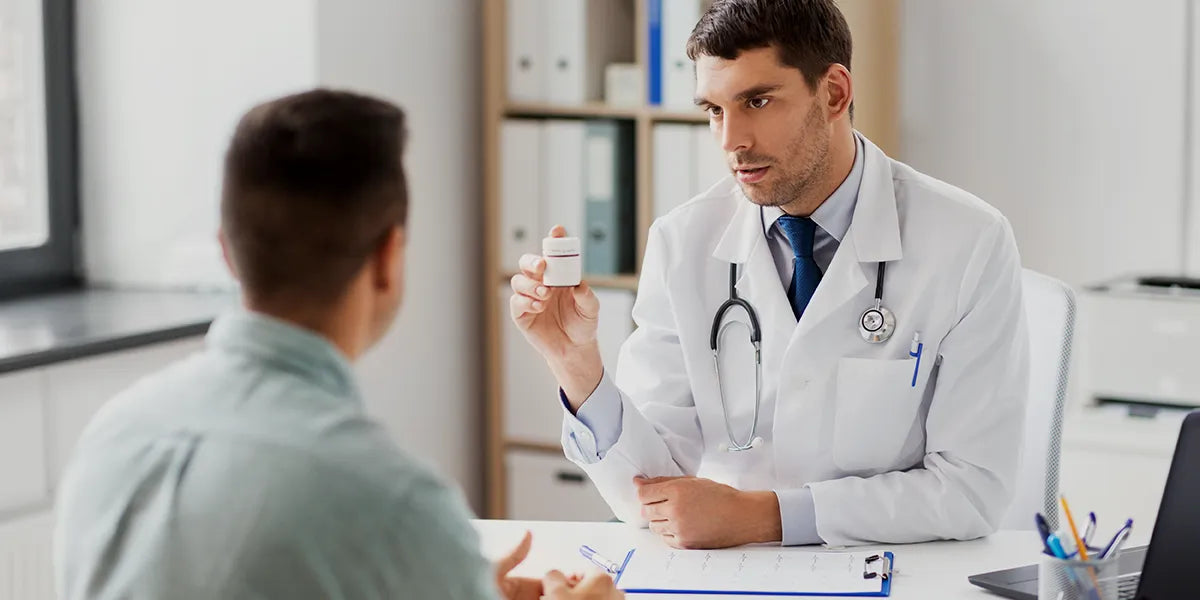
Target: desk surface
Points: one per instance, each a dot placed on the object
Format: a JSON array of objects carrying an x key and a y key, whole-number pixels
[{"x": 925, "y": 571}]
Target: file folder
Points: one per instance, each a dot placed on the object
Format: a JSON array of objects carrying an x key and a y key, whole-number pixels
[
  {"x": 679, "y": 17},
  {"x": 674, "y": 164},
  {"x": 609, "y": 240},
  {"x": 526, "y": 66},
  {"x": 562, "y": 187},
  {"x": 583, "y": 37},
  {"x": 520, "y": 191},
  {"x": 710, "y": 163}
]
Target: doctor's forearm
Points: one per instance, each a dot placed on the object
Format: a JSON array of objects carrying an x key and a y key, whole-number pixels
[{"x": 578, "y": 372}]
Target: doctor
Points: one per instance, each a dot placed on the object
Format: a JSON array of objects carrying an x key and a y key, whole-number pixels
[{"x": 894, "y": 362}]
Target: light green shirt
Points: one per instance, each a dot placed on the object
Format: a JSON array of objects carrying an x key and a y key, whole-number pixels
[{"x": 251, "y": 471}]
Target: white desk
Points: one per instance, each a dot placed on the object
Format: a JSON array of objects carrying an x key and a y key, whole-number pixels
[{"x": 926, "y": 571}]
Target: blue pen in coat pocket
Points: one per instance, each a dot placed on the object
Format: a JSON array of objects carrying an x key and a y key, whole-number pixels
[{"x": 915, "y": 352}]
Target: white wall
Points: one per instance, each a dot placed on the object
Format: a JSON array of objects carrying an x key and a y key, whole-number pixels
[
  {"x": 425, "y": 379},
  {"x": 162, "y": 85},
  {"x": 1066, "y": 115}
]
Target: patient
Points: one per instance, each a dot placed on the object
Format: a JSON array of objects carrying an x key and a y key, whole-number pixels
[{"x": 251, "y": 470}]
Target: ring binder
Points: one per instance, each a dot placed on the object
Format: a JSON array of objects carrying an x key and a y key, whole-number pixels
[{"x": 878, "y": 565}]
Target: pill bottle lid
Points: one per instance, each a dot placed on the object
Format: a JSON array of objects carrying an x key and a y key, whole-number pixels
[{"x": 560, "y": 246}]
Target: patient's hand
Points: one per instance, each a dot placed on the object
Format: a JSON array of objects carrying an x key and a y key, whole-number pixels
[
  {"x": 597, "y": 586},
  {"x": 689, "y": 512}
]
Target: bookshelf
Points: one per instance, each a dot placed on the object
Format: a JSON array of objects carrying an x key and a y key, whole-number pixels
[{"x": 877, "y": 20}]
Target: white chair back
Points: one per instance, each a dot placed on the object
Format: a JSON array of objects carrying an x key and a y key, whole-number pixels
[{"x": 1050, "y": 312}]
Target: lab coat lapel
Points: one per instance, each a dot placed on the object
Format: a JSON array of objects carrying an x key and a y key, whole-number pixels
[
  {"x": 873, "y": 237},
  {"x": 758, "y": 282}
]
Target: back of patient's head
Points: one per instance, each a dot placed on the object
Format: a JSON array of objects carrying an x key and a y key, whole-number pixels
[{"x": 313, "y": 187}]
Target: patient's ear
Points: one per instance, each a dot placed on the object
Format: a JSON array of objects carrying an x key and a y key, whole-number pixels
[
  {"x": 226, "y": 252},
  {"x": 388, "y": 275}
]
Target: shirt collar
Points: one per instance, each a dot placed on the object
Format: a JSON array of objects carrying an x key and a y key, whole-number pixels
[
  {"x": 836, "y": 212},
  {"x": 285, "y": 346}
]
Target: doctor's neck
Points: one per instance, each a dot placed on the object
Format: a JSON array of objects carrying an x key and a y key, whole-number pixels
[{"x": 823, "y": 178}]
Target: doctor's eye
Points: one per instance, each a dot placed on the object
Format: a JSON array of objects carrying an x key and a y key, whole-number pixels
[
  {"x": 757, "y": 102},
  {"x": 713, "y": 111}
]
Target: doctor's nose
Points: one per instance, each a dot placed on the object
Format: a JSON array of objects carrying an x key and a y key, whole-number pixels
[{"x": 734, "y": 134}]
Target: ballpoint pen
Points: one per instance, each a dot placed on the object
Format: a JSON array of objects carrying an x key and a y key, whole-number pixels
[
  {"x": 1089, "y": 529},
  {"x": 609, "y": 566},
  {"x": 1044, "y": 531},
  {"x": 1082, "y": 548},
  {"x": 1118, "y": 539}
]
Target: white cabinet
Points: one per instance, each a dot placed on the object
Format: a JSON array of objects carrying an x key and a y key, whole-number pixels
[
  {"x": 26, "y": 566},
  {"x": 545, "y": 487},
  {"x": 22, "y": 443},
  {"x": 75, "y": 390}
]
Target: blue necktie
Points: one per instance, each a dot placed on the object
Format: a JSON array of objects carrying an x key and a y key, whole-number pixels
[{"x": 806, "y": 275}]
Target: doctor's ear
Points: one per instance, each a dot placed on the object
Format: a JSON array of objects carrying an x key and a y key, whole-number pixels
[{"x": 839, "y": 92}]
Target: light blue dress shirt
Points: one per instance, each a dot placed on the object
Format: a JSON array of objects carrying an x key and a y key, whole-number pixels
[
  {"x": 251, "y": 470},
  {"x": 591, "y": 432}
]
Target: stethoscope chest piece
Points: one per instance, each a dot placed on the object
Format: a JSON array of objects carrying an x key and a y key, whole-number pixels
[{"x": 877, "y": 324}]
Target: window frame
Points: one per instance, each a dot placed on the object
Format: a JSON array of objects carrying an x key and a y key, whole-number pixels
[{"x": 55, "y": 264}]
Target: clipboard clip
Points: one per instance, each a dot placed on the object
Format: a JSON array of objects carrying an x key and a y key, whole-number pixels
[{"x": 877, "y": 565}]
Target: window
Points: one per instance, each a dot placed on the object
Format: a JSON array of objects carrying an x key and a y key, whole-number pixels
[{"x": 38, "y": 195}]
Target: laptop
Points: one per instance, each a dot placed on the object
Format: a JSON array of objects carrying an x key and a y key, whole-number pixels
[{"x": 1160, "y": 571}]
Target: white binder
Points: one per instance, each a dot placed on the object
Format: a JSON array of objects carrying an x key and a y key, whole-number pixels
[
  {"x": 583, "y": 37},
  {"x": 562, "y": 190},
  {"x": 521, "y": 175},
  {"x": 711, "y": 165},
  {"x": 674, "y": 163},
  {"x": 679, "y": 17},
  {"x": 531, "y": 411},
  {"x": 526, "y": 53}
]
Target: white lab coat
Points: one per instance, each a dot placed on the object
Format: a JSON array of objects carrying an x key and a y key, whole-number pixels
[{"x": 885, "y": 461}]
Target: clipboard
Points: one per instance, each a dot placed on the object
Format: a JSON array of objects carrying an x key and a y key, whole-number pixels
[{"x": 876, "y": 568}]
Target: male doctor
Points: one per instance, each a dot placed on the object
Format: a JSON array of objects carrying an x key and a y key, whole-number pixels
[{"x": 850, "y": 435}]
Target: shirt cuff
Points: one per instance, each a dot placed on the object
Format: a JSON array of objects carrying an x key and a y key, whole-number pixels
[
  {"x": 798, "y": 515},
  {"x": 596, "y": 427}
]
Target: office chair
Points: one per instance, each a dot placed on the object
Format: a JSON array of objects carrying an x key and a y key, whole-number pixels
[{"x": 1050, "y": 311}]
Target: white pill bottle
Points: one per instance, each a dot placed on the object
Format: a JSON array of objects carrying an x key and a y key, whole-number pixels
[{"x": 564, "y": 263}]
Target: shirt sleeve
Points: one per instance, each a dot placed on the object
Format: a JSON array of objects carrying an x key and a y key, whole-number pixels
[
  {"x": 595, "y": 428},
  {"x": 798, "y": 515}
]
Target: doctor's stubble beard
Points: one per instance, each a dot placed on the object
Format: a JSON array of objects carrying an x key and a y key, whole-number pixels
[{"x": 799, "y": 172}]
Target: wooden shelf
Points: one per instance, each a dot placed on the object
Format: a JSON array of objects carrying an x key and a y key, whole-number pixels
[
  {"x": 597, "y": 110},
  {"x": 677, "y": 115},
  {"x": 600, "y": 110},
  {"x": 515, "y": 444},
  {"x": 619, "y": 282}
]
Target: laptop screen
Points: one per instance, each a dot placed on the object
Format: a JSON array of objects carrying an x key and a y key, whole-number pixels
[{"x": 1169, "y": 571}]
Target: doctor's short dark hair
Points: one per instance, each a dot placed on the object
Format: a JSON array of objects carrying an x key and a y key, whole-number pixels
[
  {"x": 313, "y": 185},
  {"x": 810, "y": 35}
]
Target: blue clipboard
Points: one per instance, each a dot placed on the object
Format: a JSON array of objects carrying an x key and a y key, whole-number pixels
[{"x": 885, "y": 585}]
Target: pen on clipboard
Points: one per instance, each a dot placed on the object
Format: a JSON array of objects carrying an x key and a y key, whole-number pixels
[{"x": 610, "y": 567}]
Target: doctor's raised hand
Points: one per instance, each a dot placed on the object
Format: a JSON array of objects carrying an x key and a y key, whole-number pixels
[{"x": 561, "y": 324}]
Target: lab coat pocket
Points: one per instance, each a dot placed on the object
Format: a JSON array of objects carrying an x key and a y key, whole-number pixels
[{"x": 876, "y": 414}]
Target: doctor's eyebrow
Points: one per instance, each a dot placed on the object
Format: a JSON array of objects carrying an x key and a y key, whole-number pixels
[{"x": 745, "y": 94}]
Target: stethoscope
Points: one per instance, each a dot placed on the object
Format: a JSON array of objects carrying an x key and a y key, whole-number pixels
[{"x": 876, "y": 326}]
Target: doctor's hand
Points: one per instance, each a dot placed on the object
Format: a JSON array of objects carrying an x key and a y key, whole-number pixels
[
  {"x": 689, "y": 512},
  {"x": 561, "y": 323}
]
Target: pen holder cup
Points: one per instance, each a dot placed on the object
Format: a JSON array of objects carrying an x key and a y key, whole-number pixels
[{"x": 1060, "y": 579}]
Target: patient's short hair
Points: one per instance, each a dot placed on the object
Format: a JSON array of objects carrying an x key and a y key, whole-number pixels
[{"x": 313, "y": 184}]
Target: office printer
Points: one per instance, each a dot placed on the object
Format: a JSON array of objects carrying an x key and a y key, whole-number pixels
[{"x": 1140, "y": 344}]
